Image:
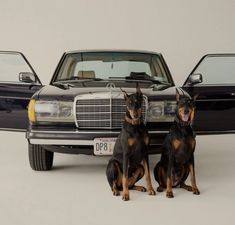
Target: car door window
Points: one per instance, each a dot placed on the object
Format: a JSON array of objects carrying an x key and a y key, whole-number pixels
[
  {"x": 215, "y": 103},
  {"x": 217, "y": 69},
  {"x": 11, "y": 64},
  {"x": 18, "y": 82}
]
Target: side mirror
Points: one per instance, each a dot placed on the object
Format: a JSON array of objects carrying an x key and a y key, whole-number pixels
[
  {"x": 195, "y": 79},
  {"x": 27, "y": 77}
]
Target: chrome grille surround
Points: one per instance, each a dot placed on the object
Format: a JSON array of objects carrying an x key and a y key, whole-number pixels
[{"x": 104, "y": 110}]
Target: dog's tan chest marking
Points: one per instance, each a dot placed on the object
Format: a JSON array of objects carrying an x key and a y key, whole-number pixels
[
  {"x": 130, "y": 141},
  {"x": 176, "y": 144}
]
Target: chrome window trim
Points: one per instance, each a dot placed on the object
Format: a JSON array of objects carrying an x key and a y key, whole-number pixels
[
  {"x": 12, "y": 97},
  {"x": 19, "y": 83},
  {"x": 215, "y": 100}
]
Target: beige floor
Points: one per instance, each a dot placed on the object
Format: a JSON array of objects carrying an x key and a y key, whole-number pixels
[{"x": 76, "y": 191}]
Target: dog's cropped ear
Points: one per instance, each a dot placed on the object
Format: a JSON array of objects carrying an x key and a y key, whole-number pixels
[
  {"x": 177, "y": 95},
  {"x": 138, "y": 91},
  {"x": 126, "y": 96}
]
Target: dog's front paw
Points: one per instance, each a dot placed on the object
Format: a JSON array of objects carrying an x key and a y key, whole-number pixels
[
  {"x": 151, "y": 192},
  {"x": 169, "y": 194},
  {"x": 196, "y": 191},
  {"x": 125, "y": 196},
  {"x": 116, "y": 193},
  {"x": 160, "y": 189}
]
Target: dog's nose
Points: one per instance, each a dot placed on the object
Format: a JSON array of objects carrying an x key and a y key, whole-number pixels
[
  {"x": 186, "y": 111},
  {"x": 136, "y": 116}
]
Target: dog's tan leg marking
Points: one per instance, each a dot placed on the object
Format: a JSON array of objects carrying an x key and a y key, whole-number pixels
[
  {"x": 186, "y": 187},
  {"x": 169, "y": 192},
  {"x": 125, "y": 194},
  {"x": 138, "y": 174},
  {"x": 162, "y": 179},
  {"x": 148, "y": 179},
  {"x": 193, "y": 180},
  {"x": 115, "y": 189}
]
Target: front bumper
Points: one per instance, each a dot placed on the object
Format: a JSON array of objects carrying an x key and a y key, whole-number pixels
[{"x": 82, "y": 142}]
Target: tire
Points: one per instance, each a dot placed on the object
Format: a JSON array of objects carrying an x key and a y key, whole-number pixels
[{"x": 39, "y": 158}]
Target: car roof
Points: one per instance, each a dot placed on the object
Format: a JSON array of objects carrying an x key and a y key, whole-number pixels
[{"x": 114, "y": 50}]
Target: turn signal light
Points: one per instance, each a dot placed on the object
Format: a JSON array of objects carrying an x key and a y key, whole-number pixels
[{"x": 31, "y": 111}]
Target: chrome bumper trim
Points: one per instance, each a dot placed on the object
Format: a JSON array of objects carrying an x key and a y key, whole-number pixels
[
  {"x": 90, "y": 132},
  {"x": 60, "y": 142},
  {"x": 53, "y": 141}
]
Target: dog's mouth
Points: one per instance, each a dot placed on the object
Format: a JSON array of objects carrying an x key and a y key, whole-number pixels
[
  {"x": 135, "y": 118},
  {"x": 184, "y": 117}
]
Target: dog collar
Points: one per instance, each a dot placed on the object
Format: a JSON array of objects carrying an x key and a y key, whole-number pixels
[
  {"x": 131, "y": 121},
  {"x": 182, "y": 123}
]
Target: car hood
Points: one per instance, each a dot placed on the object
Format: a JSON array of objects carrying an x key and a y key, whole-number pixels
[{"x": 51, "y": 92}]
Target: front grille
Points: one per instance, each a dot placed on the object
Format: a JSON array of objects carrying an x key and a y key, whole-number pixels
[{"x": 102, "y": 113}]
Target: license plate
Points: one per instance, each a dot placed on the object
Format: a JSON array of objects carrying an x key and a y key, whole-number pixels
[{"x": 104, "y": 146}]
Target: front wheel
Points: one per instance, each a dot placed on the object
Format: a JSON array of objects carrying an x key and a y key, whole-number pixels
[{"x": 39, "y": 158}]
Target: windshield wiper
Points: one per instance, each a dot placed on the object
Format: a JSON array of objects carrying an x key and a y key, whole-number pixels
[
  {"x": 140, "y": 79},
  {"x": 62, "y": 85},
  {"x": 67, "y": 83},
  {"x": 77, "y": 79}
]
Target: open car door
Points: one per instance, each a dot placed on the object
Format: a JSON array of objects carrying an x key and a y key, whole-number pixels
[
  {"x": 18, "y": 82},
  {"x": 213, "y": 80}
]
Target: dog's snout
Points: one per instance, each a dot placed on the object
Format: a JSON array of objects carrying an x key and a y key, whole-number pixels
[
  {"x": 135, "y": 114},
  {"x": 186, "y": 111}
]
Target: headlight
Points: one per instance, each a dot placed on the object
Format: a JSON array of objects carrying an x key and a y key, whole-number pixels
[
  {"x": 162, "y": 111},
  {"x": 51, "y": 111}
]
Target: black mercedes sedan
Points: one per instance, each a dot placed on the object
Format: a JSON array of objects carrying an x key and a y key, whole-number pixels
[{"x": 81, "y": 110}]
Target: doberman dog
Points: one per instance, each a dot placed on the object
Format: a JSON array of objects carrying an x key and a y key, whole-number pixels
[
  {"x": 177, "y": 159},
  {"x": 129, "y": 162}
]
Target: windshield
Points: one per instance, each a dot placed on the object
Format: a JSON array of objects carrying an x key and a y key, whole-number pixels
[
  {"x": 217, "y": 69},
  {"x": 111, "y": 66}
]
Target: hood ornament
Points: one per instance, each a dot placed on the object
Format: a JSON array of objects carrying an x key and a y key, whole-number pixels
[{"x": 110, "y": 86}]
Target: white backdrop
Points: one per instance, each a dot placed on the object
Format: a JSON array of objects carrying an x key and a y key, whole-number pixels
[
  {"x": 181, "y": 30},
  {"x": 76, "y": 190}
]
